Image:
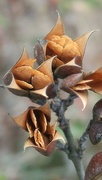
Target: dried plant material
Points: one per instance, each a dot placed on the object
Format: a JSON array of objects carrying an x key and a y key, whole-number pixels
[
  {"x": 68, "y": 69},
  {"x": 95, "y": 132},
  {"x": 23, "y": 80},
  {"x": 69, "y": 84},
  {"x": 58, "y": 29},
  {"x": 49, "y": 148},
  {"x": 42, "y": 135},
  {"x": 24, "y": 60},
  {"x": 96, "y": 83},
  {"x": 82, "y": 41},
  {"x": 89, "y": 81},
  {"x": 12, "y": 85},
  {"x": 39, "y": 51},
  {"x": 97, "y": 111},
  {"x": 94, "y": 169},
  {"x": 64, "y": 47},
  {"x": 71, "y": 81}
]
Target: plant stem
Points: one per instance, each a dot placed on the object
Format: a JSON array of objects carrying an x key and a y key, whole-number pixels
[
  {"x": 73, "y": 153},
  {"x": 60, "y": 106},
  {"x": 83, "y": 138}
]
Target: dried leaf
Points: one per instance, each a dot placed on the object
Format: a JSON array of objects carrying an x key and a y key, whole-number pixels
[{"x": 94, "y": 169}]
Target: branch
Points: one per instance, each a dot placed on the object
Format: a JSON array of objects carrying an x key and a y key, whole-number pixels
[
  {"x": 59, "y": 107},
  {"x": 83, "y": 138}
]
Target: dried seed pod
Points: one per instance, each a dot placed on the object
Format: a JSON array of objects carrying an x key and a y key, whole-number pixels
[
  {"x": 68, "y": 69},
  {"x": 97, "y": 111},
  {"x": 94, "y": 169},
  {"x": 42, "y": 135},
  {"x": 95, "y": 133},
  {"x": 39, "y": 51},
  {"x": 24, "y": 80},
  {"x": 64, "y": 47}
]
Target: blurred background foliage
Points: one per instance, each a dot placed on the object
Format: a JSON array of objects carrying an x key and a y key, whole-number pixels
[{"x": 22, "y": 22}]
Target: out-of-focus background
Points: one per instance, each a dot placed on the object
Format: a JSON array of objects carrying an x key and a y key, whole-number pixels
[{"x": 22, "y": 22}]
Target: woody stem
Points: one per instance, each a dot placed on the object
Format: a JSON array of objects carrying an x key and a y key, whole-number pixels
[
  {"x": 72, "y": 151},
  {"x": 59, "y": 106}
]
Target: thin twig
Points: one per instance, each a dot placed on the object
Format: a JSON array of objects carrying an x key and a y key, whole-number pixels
[{"x": 82, "y": 140}]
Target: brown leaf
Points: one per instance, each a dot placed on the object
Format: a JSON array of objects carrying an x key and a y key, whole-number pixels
[{"x": 94, "y": 169}]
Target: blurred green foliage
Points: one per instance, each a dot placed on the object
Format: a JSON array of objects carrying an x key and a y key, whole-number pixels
[
  {"x": 66, "y": 5},
  {"x": 45, "y": 168},
  {"x": 2, "y": 176},
  {"x": 3, "y": 20},
  {"x": 94, "y": 3}
]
